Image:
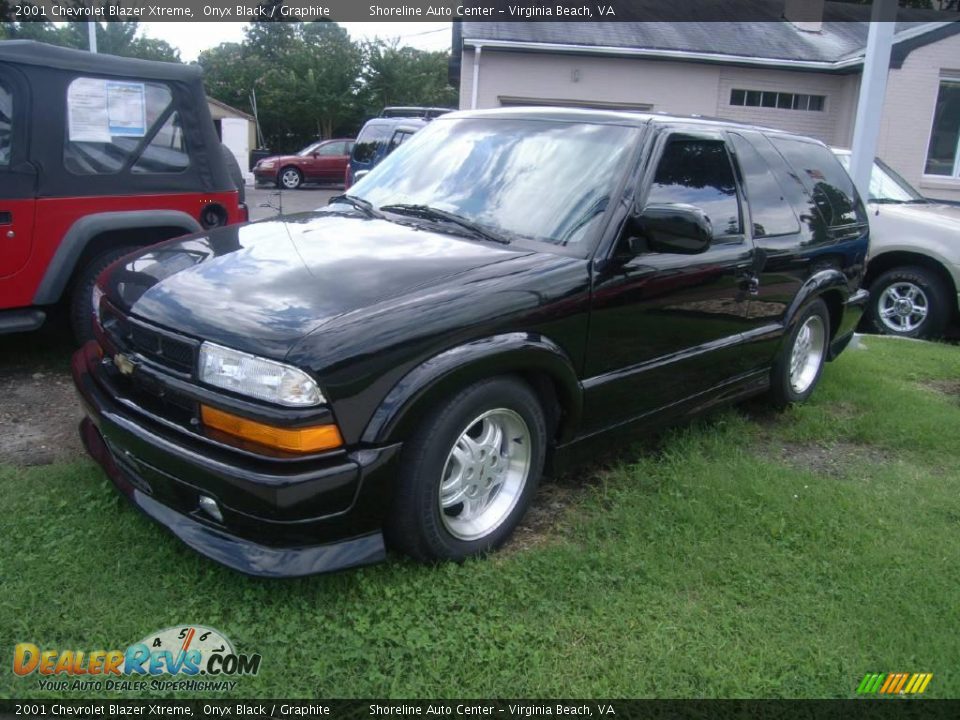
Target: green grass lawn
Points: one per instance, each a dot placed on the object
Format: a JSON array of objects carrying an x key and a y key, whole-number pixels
[{"x": 753, "y": 554}]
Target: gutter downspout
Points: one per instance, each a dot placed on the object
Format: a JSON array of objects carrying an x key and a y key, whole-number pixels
[{"x": 476, "y": 76}]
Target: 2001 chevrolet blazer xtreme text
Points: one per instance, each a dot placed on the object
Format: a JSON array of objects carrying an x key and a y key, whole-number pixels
[{"x": 399, "y": 367}]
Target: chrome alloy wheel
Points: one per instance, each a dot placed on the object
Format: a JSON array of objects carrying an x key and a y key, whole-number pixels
[
  {"x": 902, "y": 307},
  {"x": 290, "y": 178},
  {"x": 485, "y": 474},
  {"x": 809, "y": 348}
]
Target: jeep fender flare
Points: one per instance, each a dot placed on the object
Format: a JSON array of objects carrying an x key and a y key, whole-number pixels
[
  {"x": 75, "y": 241},
  {"x": 444, "y": 374}
]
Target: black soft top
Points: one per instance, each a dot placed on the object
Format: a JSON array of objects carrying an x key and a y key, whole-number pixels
[
  {"x": 28, "y": 52},
  {"x": 41, "y": 74}
]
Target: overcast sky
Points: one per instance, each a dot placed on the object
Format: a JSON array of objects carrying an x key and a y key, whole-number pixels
[{"x": 193, "y": 37}]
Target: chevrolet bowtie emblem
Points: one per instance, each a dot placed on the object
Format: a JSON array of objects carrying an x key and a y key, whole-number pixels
[{"x": 124, "y": 364}]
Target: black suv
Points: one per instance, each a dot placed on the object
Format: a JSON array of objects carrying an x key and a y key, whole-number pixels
[{"x": 504, "y": 289}]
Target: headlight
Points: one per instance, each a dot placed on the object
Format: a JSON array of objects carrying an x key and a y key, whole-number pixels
[
  {"x": 97, "y": 296},
  {"x": 257, "y": 377}
]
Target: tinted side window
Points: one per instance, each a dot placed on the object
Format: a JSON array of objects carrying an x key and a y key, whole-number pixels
[
  {"x": 698, "y": 172},
  {"x": 398, "y": 139},
  {"x": 330, "y": 150},
  {"x": 6, "y": 124},
  {"x": 370, "y": 138},
  {"x": 823, "y": 176},
  {"x": 770, "y": 212}
]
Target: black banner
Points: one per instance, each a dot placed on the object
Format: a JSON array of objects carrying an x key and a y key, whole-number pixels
[
  {"x": 479, "y": 709},
  {"x": 428, "y": 10}
]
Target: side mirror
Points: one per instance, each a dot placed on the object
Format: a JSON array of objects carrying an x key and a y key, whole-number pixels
[{"x": 675, "y": 228}]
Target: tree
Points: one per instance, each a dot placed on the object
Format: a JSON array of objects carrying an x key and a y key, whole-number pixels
[
  {"x": 395, "y": 75},
  {"x": 113, "y": 38},
  {"x": 305, "y": 76}
]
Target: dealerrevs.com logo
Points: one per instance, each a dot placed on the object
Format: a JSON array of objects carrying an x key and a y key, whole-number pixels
[{"x": 195, "y": 656}]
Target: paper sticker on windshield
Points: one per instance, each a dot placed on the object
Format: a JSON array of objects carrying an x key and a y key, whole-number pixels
[
  {"x": 99, "y": 110},
  {"x": 126, "y": 108},
  {"x": 87, "y": 110}
]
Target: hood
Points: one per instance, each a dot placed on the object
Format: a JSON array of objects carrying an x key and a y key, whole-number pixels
[
  {"x": 261, "y": 287},
  {"x": 934, "y": 213}
]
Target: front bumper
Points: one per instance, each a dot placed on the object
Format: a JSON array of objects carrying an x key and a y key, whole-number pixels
[
  {"x": 274, "y": 522},
  {"x": 853, "y": 311}
]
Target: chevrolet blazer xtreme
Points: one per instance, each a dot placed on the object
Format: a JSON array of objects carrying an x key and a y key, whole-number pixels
[{"x": 400, "y": 367}]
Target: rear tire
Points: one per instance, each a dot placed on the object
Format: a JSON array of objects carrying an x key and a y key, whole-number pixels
[
  {"x": 909, "y": 302},
  {"x": 469, "y": 473},
  {"x": 81, "y": 297},
  {"x": 289, "y": 178},
  {"x": 798, "y": 367}
]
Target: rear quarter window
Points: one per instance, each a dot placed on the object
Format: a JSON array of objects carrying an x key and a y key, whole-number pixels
[
  {"x": 770, "y": 211},
  {"x": 824, "y": 178}
]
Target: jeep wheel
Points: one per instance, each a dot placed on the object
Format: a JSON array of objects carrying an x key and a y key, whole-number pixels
[
  {"x": 81, "y": 297},
  {"x": 909, "y": 302},
  {"x": 469, "y": 473},
  {"x": 290, "y": 178},
  {"x": 799, "y": 365}
]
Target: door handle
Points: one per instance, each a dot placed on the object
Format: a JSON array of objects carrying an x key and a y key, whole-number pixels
[{"x": 750, "y": 283}]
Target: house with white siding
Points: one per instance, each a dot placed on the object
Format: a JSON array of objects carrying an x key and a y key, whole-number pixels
[{"x": 796, "y": 73}]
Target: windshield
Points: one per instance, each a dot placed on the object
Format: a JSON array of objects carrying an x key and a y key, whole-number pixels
[
  {"x": 308, "y": 149},
  {"x": 518, "y": 178},
  {"x": 885, "y": 184}
]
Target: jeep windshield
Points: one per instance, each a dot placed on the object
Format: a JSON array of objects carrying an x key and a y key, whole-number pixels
[{"x": 548, "y": 181}]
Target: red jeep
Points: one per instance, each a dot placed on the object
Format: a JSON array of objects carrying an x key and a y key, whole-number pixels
[{"x": 99, "y": 155}]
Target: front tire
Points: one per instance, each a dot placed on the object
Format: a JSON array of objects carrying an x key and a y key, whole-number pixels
[
  {"x": 799, "y": 365},
  {"x": 469, "y": 473},
  {"x": 909, "y": 302},
  {"x": 81, "y": 297},
  {"x": 289, "y": 178}
]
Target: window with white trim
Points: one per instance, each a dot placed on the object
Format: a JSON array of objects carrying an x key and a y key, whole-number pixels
[
  {"x": 943, "y": 152},
  {"x": 777, "y": 100}
]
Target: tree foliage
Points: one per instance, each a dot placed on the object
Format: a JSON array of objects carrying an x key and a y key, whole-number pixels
[
  {"x": 113, "y": 38},
  {"x": 311, "y": 80}
]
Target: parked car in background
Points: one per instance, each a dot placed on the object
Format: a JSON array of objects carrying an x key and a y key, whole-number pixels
[
  {"x": 322, "y": 161},
  {"x": 99, "y": 156},
  {"x": 914, "y": 268},
  {"x": 382, "y": 135},
  {"x": 505, "y": 289}
]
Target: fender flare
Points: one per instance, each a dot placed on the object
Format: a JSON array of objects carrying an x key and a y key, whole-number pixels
[
  {"x": 443, "y": 374},
  {"x": 821, "y": 282},
  {"x": 71, "y": 247}
]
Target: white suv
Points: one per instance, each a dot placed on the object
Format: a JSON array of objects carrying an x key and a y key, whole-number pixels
[{"x": 914, "y": 268}]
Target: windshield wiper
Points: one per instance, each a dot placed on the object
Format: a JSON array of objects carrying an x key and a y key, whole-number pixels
[
  {"x": 431, "y": 213},
  {"x": 364, "y": 206}
]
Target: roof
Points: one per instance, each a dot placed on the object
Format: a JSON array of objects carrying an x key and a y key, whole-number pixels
[
  {"x": 611, "y": 117},
  {"x": 768, "y": 39},
  {"x": 28, "y": 52},
  {"x": 229, "y": 109}
]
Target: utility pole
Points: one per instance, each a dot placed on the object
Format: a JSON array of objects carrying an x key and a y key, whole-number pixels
[
  {"x": 92, "y": 35},
  {"x": 873, "y": 89}
]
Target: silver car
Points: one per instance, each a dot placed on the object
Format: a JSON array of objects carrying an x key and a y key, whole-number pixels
[{"x": 914, "y": 268}]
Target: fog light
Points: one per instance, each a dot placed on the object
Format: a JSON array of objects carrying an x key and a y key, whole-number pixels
[{"x": 210, "y": 507}]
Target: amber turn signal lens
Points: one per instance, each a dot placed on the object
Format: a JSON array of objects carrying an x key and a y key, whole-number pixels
[{"x": 303, "y": 440}]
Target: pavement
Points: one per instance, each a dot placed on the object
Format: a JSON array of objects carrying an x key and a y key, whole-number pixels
[{"x": 266, "y": 202}]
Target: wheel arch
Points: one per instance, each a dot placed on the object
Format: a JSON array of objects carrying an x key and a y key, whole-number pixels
[
  {"x": 538, "y": 361},
  {"x": 94, "y": 234},
  {"x": 905, "y": 258},
  {"x": 829, "y": 285}
]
